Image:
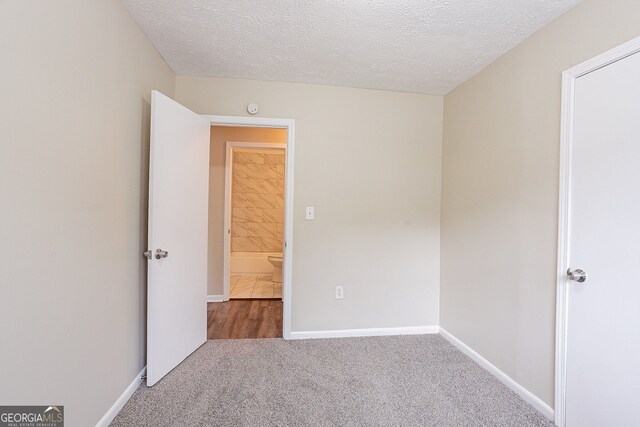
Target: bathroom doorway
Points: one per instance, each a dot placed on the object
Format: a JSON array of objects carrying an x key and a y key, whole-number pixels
[
  {"x": 254, "y": 218},
  {"x": 247, "y": 199}
]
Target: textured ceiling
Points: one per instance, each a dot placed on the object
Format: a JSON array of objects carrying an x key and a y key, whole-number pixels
[{"x": 425, "y": 46}]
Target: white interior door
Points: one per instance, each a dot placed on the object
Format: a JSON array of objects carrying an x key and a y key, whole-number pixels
[
  {"x": 603, "y": 326},
  {"x": 178, "y": 221}
]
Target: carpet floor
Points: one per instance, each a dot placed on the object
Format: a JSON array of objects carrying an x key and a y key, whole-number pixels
[{"x": 419, "y": 380}]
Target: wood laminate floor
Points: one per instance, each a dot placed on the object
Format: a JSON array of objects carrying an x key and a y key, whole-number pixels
[{"x": 244, "y": 319}]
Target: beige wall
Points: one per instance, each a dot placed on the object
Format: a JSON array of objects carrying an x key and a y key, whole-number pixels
[
  {"x": 73, "y": 175},
  {"x": 219, "y": 137},
  {"x": 75, "y": 80},
  {"x": 369, "y": 161},
  {"x": 500, "y": 191},
  {"x": 257, "y": 216}
]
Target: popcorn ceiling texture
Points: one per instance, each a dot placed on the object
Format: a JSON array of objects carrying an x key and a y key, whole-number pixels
[{"x": 405, "y": 45}]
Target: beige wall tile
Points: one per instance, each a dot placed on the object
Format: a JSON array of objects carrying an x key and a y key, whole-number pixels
[
  {"x": 250, "y": 185},
  {"x": 273, "y": 186},
  {"x": 258, "y": 184},
  {"x": 249, "y": 170},
  {"x": 240, "y": 229},
  {"x": 271, "y": 244},
  {"x": 257, "y": 201},
  {"x": 273, "y": 215},
  {"x": 256, "y": 244},
  {"x": 245, "y": 214},
  {"x": 274, "y": 159},
  {"x": 261, "y": 230},
  {"x": 246, "y": 157}
]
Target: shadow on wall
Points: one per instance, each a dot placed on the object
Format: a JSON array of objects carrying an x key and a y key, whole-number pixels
[{"x": 145, "y": 147}]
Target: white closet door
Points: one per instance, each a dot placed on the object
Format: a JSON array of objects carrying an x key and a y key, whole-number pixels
[{"x": 603, "y": 327}]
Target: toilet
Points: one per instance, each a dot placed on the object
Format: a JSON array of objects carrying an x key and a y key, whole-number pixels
[{"x": 276, "y": 260}]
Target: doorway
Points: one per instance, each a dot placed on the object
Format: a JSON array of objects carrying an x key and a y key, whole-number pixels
[
  {"x": 598, "y": 321},
  {"x": 254, "y": 215},
  {"x": 246, "y": 232},
  {"x": 250, "y": 202}
]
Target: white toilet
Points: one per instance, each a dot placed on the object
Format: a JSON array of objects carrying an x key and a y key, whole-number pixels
[{"x": 276, "y": 260}]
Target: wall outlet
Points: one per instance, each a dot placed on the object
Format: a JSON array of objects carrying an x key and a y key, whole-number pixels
[{"x": 339, "y": 292}]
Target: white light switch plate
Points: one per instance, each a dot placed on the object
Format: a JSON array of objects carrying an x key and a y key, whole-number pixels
[{"x": 310, "y": 213}]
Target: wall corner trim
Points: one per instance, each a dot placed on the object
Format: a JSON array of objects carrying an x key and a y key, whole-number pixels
[
  {"x": 215, "y": 298},
  {"x": 368, "y": 332},
  {"x": 525, "y": 394},
  {"x": 120, "y": 402}
]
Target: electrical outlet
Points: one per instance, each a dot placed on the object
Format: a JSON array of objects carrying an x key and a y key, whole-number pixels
[{"x": 339, "y": 292}]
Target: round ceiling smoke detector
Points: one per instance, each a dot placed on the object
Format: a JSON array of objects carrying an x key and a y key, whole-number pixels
[{"x": 252, "y": 108}]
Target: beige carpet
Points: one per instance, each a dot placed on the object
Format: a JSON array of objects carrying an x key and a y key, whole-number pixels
[{"x": 380, "y": 381}]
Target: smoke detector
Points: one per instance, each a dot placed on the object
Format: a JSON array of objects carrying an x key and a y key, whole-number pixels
[{"x": 252, "y": 108}]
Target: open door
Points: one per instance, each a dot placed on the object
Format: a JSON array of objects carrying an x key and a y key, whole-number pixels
[{"x": 178, "y": 221}]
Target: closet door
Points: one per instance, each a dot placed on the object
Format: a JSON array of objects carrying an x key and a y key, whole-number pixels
[{"x": 603, "y": 290}]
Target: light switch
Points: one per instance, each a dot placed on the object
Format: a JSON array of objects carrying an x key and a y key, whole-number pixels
[{"x": 309, "y": 213}]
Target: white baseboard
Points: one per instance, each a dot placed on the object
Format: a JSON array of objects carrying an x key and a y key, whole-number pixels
[
  {"x": 215, "y": 298},
  {"x": 369, "y": 332},
  {"x": 124, "y": 397},
  {"x": 525, "y": 394}
]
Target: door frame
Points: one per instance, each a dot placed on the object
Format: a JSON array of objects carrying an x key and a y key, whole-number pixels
[
  {"x": 228, "y": 195},
  {"x": 569, "y": 78},
  {"x": 287, "y": 264}
]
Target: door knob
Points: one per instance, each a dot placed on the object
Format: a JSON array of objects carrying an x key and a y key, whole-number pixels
[
  {"x": 577, "y": 275},
  {"x": 148, "y": 254},
  {"x": 161, "y": 254}
]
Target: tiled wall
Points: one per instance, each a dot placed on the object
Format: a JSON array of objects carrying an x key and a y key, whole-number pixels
[{"x": 258, "y": 201}]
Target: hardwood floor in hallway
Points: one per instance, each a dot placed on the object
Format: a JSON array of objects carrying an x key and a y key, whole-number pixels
[{"x": 244, "y": 319}]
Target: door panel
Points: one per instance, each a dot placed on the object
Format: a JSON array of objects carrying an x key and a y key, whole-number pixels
[
  {"x": 178, "y": 221},
  {"x": 603, "y": 328}
]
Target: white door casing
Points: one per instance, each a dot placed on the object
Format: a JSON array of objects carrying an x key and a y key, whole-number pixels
[
  {"x": 598, "y": 321},
  {"x": 287, "y": 257},
  {"x": 178, "y": 223}
]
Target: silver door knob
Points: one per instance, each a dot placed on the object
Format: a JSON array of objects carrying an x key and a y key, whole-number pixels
[
  {"x": 148, "y": 254},
  {"x": 577, "y": 275},
  {"x": 161, "y": 254}
]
